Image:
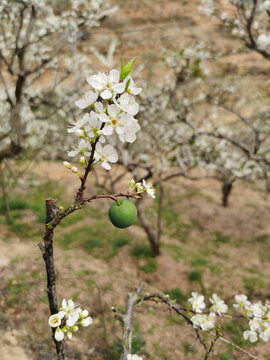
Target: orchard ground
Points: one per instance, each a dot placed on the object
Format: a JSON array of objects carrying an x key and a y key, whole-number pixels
[{"x": 205, "y": 247}]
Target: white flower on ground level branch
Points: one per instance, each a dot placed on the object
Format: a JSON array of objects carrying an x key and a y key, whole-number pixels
[
  {"x": 68, "y": 320},
  {"x": 204, "y": 322},
  {"x": 219, "y": 305},
  {"x": 241, "y": 302},
  {"x": 197, "y": 302},
  {"x": 134, "y": 357},
  {"x": 257, "y": 313}
]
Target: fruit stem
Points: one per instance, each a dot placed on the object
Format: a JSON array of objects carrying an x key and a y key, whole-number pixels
[{"x": 117, "y": 202}]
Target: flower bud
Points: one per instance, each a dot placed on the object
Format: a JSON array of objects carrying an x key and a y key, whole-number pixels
[
  {"x": 139, "y": 187},
  {"x": 69, "y": 335},
  {"x": 75, "y": 328},
  {"x": 82, "y": 160},
  {"x": 67, "y": 164},
  {"x": 74, "y": 169},
  {"x": 59, "y": 334},
  {"x": 84, "y": 313},
  {"x": 86, "y": 322}
]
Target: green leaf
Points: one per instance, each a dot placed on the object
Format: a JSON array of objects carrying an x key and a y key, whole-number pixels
[
  {"x": 127, "y": 84},
  {"x": 126, "y": 69},
  {"x": 122, "y": 63}
]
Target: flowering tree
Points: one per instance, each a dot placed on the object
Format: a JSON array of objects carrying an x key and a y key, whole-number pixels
[
  {"x": 38, "y": 54},
  {"x": 248, "y": 21}
]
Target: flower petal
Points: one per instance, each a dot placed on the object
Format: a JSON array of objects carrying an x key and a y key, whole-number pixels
[
  {"x": 119, "y": 88},
  {"x": 106, "y": 165},
  {"x": 82, "y": 104},
  {"x": 59, "y": 334},
  {"x": 106, "y": 94}
]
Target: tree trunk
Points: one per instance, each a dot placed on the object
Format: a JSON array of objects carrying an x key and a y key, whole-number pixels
[
  {"x": 152, "y": 234},
  {"x": 226, "y": 190},
  {"x": 5, "y": 197}
]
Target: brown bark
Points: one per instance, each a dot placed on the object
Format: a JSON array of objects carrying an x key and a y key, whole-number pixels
[
  {"x": 226, "y": 190},
  {"x": 47, "y": 253}
]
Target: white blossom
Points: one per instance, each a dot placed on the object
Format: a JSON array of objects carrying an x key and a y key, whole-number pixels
[
  {"x": 68, "y": 307},
  {"x": 205, "y": 322},
  {"x": 255, "y": 324},
  {"x": 116, "y": 120},
  {"x": 132, "y": 89},
  {"x": 105, "y": 155},
  {"x": 88, "y": 99},
  {"x": 265, "y": 335},
  {"x": 263, "y": 41},
  {"x": 241, "y": 302},
  {"x": 87, "y": 321},
  {"x": 92, "y": 127},
  {"x": 107, "y": 85},
  {"x": 257, "y": 309},
  {"x": 134, "y": 357},
  {"x": 130, "y": 130},
  {"x": 265, "y": 5},
  {"x": 59, "y": 334},
  {"x": 218, "y": 304},
  {"x": 68, "y": 319},
  {"x": 82, "y": 148},
  {"x": 197, "y": 302},
  {"x": 127, "y": 103},
  {"x": 55, "y": 320},
  {"x": 79, "y": 124},
  {"x": 84, "y": 313},
  {"x": 149, "y": 188},
  {"x": 250, "y": 335}
]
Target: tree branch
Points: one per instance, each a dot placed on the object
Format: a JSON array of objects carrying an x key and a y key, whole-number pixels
[
  {"x": 126, "y": 319},
  {"x": 47, "y": 253}
]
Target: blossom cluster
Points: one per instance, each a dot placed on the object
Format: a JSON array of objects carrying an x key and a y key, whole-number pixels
[
  {"x": 110, "y": 107},
  {"x": 257, "y": 314},
  {"x": 206, "y": 321},
  {"x": 68, "y": 320},
  {"x": 141, "y": 187}
]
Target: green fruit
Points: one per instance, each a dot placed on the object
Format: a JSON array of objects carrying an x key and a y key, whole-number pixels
[{"x": 123, "y": 215}]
